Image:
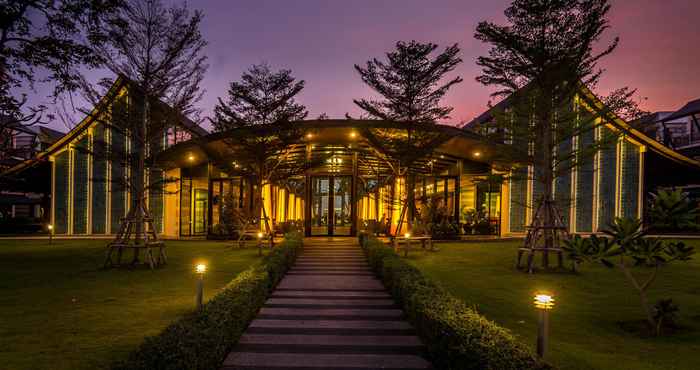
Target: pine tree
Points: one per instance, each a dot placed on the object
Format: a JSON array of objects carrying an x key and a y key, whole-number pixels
[
  {"x": 539, "y": 62},
  {"x": 262, "y": 107},
  {"x": 261, "y": 97},
  {"x": 410, "y": 83}
]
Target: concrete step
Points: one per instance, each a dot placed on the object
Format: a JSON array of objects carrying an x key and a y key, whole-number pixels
[
  {"x": 331, "y": 272},
  {"x": 330, "y": 282},
  {"x": 331, "y": 324},
  {"x": 276, "y": 313},
  {"x": 330, "y": 301},
  {"x": 251, "y": 360},
  {"x": 331, "y": 294},
  {"x": 377, "y": 340}
]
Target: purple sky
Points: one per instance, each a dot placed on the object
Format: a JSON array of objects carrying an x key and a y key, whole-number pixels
[{"x": 321, "y": 40}]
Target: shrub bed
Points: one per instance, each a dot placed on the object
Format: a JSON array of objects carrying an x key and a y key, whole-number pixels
[
  {"x": 202, "y": 339},
  {"x": 456, "y": 336}
]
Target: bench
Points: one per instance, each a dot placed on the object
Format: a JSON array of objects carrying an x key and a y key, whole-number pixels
[{"x": 424, "y": 240}]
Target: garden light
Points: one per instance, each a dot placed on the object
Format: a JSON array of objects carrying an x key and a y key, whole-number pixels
[
  {"x": 190, "y": 158},
  {"x": 353, "y": 134},
  {"x": 544, "y": 303},
  {"x": 260, "y": 245},
  {"x": 50, "y": 227},
  {"x": 200, "y": 268},
  {"x": 407, "y": 235},
  {"x": 477, "y": 154}
]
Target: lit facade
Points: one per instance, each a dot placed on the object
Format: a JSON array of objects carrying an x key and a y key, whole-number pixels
[{"x": 352, "y": 184}]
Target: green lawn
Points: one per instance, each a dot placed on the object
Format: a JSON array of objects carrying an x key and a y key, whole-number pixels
[
  {"x": 59, "y": 310},
  {"x": 584, "y": 324}
]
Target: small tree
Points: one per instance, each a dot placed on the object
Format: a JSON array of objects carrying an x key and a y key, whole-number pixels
[
  {"x": 263, "y": 105},
  {"x": 626, "y": 247},
  {"x": 410, "y": 83},
  {"x": 540, "y": 61}
]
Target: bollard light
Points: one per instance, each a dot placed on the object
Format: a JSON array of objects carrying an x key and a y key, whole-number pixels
[
  {"x": 544, "y": 303},
  {"x": 200, "y": 269},
  {"x": 260, "y": 244},
  {"x": 50, "y": 227}
]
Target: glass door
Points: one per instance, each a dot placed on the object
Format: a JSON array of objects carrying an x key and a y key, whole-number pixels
[
  {"x": 331, "y": 205},
  {"x": 342, "y": 217},
  {"x": 320, "y": 197},
  {"x": 200, "y": 211}
]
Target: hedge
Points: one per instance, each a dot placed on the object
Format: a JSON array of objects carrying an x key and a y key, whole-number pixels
[
  {"x": 455, "y": 335},
  {"x": 202, "y": 339}
]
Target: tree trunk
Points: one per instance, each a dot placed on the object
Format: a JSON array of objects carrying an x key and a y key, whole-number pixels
[
  {"x": 641, "y": 290},
  {"x": 139, "y": 177}
]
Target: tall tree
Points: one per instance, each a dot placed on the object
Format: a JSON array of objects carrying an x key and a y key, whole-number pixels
[
  {"x": 262, "y": 105},
  {"x": 411, "y": 85},
  {"x": 409, "y": 82},
  {"x": 261, "y": 97},
  {"x": 539, "y": 61},
  {"x": 47, "y": 38},
  {"x": 159, "y": 49}
]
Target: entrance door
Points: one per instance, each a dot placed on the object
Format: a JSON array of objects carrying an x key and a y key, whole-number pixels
[{"x": 331, "y": 205}]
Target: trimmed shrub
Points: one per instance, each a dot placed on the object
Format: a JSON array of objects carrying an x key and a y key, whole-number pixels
[
  {"x": 202, "y": 339},
  {"x": 456, "y": 336}
]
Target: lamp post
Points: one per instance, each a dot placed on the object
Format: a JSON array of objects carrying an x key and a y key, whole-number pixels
[
  {"x": 50, "y": 227},
  {"x": 200, "y": 269},
  {"x": 544, "y": 303}
]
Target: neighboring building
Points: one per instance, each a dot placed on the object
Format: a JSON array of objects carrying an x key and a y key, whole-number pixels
[
  {"x": 351, "y": 182},
  {"x": 679, "y": 130},
  {"x": 28, "y": 201}
]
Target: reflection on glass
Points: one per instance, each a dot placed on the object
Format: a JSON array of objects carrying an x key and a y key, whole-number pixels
[
  {"x": 320, "y": 189},
  {"x": 341, "y": 205}
]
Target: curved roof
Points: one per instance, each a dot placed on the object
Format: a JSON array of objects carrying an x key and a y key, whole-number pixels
[
  {"x": 457, "y": 143},
  {"x": 105, "y": 101},
  {"x": 613, "y": 119}
]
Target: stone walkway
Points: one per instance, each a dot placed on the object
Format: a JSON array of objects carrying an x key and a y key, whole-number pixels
[{"x": 329, "y": 312}]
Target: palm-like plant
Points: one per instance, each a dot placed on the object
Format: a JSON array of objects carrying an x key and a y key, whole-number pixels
[
  {"x": 626, "y": 247},
  {"x": 672, "y": 210}
]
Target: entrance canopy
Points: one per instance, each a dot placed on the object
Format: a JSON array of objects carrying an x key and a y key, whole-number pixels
[
  {"x": 334, "y": 174},
  {"x": 340, "y": 139}
]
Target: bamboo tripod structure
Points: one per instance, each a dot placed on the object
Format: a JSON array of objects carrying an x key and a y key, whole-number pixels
[
  {"x": 126, "y": 240},
  {"x": 543, "y": 237}
]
